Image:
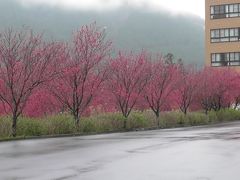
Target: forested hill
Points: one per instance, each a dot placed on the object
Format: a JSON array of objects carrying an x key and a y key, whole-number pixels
[{"x": 129, "y": 28}]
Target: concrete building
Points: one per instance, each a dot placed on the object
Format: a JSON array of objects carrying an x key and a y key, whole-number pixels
[{"x": 222, "y": 36}]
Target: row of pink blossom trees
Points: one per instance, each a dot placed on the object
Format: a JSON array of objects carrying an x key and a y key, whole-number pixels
[{"x": 39, "y": 78}]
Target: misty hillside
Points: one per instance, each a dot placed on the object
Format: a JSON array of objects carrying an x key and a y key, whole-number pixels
[{"x": 129, "y": 28}]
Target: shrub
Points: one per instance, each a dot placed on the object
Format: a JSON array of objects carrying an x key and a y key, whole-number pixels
[
  {"x": 87, "y": 126},
  {"x": 212, "y": 116},
  {"x": 59, "y": 124},
  {"x": 5, "y": 126},
  {"x": 171, "y": 119},
  {"x": 178, "y": 119},
  {"x": 197, "y": 118},
  {"x": 30, "y": 127},
  {"x": 137, "y": 120},
  {"x": 108, "y": 122},
  {"x": 227, "y": 115},
  {"x": 64, "y": 123}
]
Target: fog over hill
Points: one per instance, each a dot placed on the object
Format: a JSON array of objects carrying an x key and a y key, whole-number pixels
[{"x": 132, "y": 28}]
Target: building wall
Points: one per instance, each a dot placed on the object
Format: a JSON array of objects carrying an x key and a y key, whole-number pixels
[{"x": 218, "y": 24}]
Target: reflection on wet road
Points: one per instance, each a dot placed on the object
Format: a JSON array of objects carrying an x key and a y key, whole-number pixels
[{"x": 200, "y": 153}]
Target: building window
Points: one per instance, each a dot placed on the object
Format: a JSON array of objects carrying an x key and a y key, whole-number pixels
[
  {"x": 225, "y": 11},
  {"x": 225, "y": 59},
  {"x": 225, "y": 35}
]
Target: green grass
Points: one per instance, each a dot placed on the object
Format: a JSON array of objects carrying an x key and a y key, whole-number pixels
[{"x": 110, "y": 122}]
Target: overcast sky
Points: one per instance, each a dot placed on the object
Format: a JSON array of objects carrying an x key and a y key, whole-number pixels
[{"x": 176, "y": 6}]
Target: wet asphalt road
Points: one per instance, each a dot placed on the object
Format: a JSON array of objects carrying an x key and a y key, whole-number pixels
[{"x": 201, "y": 153}]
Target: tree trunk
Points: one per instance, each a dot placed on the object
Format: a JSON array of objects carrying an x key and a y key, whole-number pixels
[
  {"x": 125, "y": 122},
  {"x": 206, "y": 111},
  {"x": 185, "y": 111},
  {"x": 77, "y": 119},
  {"x": 14, "y": 125},
  {"x": 158, "y": 119}
]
